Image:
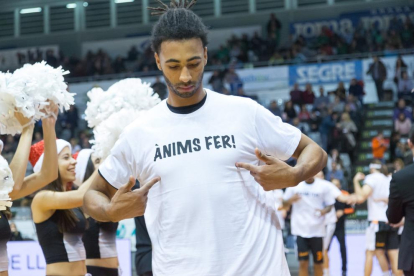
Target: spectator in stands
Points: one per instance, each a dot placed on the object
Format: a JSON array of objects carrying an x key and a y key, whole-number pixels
[
  {"x": 402, "y": 108},
  {"x": 400, "y": 68},
  {"x": 160, "y": 88},
  {"x": 75, "y": 145},
  {"x": 403, "y": 124},
  {"x": 398, "y": 165},
  {"x": 119, "y": 66},
  {"x": 378, "y": 73},
  {"x": 326, "y": 127},
  {"x": 274, "y": 108},
  {"x": 51, "y": 59},
  {"x": 349, "y": 130},
  {"x": 71, "y": 119},
  {"x": 296, "y": 95},
  {"x": 405, "y": 86},
  {"x": 334, "y": 157},
  {"x": 340, "y": 91},
  {"x": 394, "y": 40},
  {"x": 356, "y": 90},
  {"x": 338, "y": 105},
  {"x": 379, "y": 146},
  {"x": 216, "y": 81},
  {"x": 314, "y": 123},
  {"x": 15, "y": 233},
  {"x": 233, "y": 79},
  {"x": 304, "y": 113},
  {"x": 335, "y": 173},
  {"x": 290, "y": 112},
  {"x": 395, "y": 139},
  {"x": 133, "y": 54},
  {"x": 308, "y": 96},
  {"x": 321, "y": 102},
  {"x": 273, "y": 26},
  {"x": 301, "y": 125},
  {"x": 407, "y": 38},
  {"x": 10, "y": 146}
]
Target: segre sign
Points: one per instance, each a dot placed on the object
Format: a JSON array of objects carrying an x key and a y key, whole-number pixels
[{"x": 325, "y": 73}]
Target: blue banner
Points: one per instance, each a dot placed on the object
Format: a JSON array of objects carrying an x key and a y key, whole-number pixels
[
  {"x": 381, "y": 18},
  {"x": 324, "y": 73}
]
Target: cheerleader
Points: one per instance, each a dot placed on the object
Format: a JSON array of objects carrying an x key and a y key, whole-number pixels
[
  {"x": 100, "y": 237},
  {"x": 59, "y": 221},
  {"x": 380, "y": 236},
  {"x": 24, "y": 186}
]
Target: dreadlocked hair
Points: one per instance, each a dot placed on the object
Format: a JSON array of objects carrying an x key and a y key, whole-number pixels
[{"x": 177, "y": 22}]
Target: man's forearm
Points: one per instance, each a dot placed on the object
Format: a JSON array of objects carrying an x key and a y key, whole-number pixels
[
  {"x": 310, "y": 162},
  {"x": 96, "y": 204}
]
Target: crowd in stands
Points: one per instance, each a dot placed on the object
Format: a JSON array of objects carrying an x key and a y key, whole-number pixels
[{"x": 268, "y": 48}]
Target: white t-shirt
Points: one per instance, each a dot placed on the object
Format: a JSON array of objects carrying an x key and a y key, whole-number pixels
[
  {"x": 278, "y": 195},
  {"x": 315, "y": 196},
  {"x": 380, "y": 184},
  {"x": 330, "y": 218},
  {"x": 205, "y": 216}
]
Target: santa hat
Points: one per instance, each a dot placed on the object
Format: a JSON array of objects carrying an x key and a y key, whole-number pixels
[
  {"x": 82, "y": 158},
  {"x": 37, "y": 152}
]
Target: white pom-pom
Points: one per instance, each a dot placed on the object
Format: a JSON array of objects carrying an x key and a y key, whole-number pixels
[
  {"x": 108, "y": 132},
  {"x": 29, "y": 90},
  {"x": 6, "y": 180},
  {"x": 126, "y": 94}
]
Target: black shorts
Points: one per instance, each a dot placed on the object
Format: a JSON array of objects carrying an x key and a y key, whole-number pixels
[
  {"x": 387, "y": 240},
  {"x": 101, "y": 271},
  {"x": 314, "y": 245}
]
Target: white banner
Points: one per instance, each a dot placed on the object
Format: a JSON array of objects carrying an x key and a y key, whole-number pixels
[{"x": 26, "y": 258}]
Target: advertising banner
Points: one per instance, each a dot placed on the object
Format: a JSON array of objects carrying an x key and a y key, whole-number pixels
[
  {"x": 325, "y": 73},
  {"x": 381, "y": 18},
  {"x": 26, "y": 258}
]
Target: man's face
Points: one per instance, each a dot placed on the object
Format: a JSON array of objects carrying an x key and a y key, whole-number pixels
[{"x": 182, "y": 64}]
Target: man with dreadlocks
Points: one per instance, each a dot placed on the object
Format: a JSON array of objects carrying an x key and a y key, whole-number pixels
[{"x": 205, "y": 204}]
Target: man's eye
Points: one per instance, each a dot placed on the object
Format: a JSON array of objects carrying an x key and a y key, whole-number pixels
[
  {"x": 194, "y": 65},
  {"x": 173, "y": 67}
]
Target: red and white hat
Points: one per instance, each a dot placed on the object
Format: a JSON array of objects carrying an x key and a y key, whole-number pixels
[
  {"x": 38, "y": 149},
  {"x": 82, "y": 158}
]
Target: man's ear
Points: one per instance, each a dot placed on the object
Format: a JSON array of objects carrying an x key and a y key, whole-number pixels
[
  {"x": 157, "y": 60},
  {"x": 205, "y": 56}
]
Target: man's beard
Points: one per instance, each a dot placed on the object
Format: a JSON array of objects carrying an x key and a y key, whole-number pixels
[{"x": 184, "y": 95}]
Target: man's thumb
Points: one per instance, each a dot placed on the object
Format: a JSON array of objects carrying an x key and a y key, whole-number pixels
[
  {"x": 265, "y": 158},
  {"x": 128, "y": 187}
]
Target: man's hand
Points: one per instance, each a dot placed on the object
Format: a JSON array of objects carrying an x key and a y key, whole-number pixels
[
  {"x": 351, "y": 199},
  {"x": 127, "y": 203},
  {"x": 276, "y": 174}
]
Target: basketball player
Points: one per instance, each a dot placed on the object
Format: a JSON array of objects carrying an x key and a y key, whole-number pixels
[{"x": 195, "y": 155}]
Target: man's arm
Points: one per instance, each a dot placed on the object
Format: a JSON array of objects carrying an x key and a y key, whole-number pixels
[
  {"x": 104, "y": 203},
  {"x": 395, "y": 210},
  {"x": 311, "y": 159}
]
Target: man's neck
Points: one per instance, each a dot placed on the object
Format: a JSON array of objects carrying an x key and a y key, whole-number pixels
[{"x": 177, "y": 101}]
